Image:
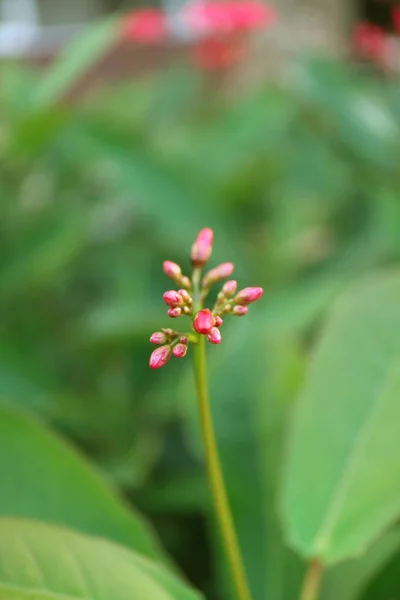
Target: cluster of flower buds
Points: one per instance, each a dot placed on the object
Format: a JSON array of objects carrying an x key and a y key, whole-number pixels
[{"x": 188, "y": 300}]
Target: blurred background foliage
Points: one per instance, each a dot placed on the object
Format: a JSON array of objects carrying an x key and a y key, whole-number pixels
[{"x": 298, "y": 179}]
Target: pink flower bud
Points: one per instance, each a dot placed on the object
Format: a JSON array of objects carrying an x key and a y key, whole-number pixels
[
  {"x": 158, "y": 338},
  {"x": 174, "y": 313},
  {"x": 248, "y": 295},
  {"x": 171, "y": 269},
  {"x": 172, "y": 298},
  {"x": 183, "y": 339},
  {"x": 204, "y": 321},
  {"x": 201, "y": 249},
  {"x": 160, "y": 357},
  {"x": 229, "y": 288},
  {"x": 168, "y": 332},
  {"x": 239, "y": 311},
  {"x": 179, "y": 350},
  {"x": 220, "y": 272},
  {"x": 214, "y": 336},
  {"x": 218, "y": 321}
]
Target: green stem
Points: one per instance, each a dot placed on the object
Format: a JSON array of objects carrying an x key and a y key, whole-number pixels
[
  {"x": 312, "y": 581},
  {"x": 216, "y": 480}
]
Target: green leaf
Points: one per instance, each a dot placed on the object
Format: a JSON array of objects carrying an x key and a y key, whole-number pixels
[
  {"x": 48, "y": 480},
  {"x": 53, "y": 563},
  {"x": 77, "y": 59},
  {"x": 342, "y": 485},
  {"x": 348, "y": 580}
]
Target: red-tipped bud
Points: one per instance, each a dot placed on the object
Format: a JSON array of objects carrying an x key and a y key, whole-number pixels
[
  {"x": 229, "y": 288},
  {"x": 174, "y": 313},
  {"x": 158, "y": 338},
  {"x": 248, "y": 295},
  {"x": 168, "y": 332},
  {"x": 171, "y": 269},
  {"x": 160, "y": 357},
  {"x": 204, "y": 321},
  {"x": 239, "y": 311},
  {"x": 220, "y": 272},
  {"x": 179, "y": 350},
  {"x": 172, "y": 298},
  {"x": 214, "y": 336},
  {"x": 183, "y": 339},
  {"x": 201, "y": 249},
  {"x": 218, "y": 321}
]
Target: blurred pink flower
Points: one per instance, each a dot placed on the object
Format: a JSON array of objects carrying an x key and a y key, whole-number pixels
[
  {"x": 396, "y": 17},
  {"x": 369, "y": 40},
  {"x": 145, "y": 25},
  {"x": 228, "y": 17}
]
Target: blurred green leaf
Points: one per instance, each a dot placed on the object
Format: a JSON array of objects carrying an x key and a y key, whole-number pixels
[
  {"x": 49, "y": 480},
  {"x": 59, "y": 563},
  {"x": 348, "y": 580},
  {"x": 341, "y": 485},
  {"x": 74, "y": 63}
]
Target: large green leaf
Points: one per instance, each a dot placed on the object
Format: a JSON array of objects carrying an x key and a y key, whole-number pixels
[
  {"x": 48, "y": 562},
  {"x": 44, "y": 478},
  {"x": 342, "y": 485}
]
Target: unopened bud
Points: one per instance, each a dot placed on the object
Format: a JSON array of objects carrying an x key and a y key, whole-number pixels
[
  {"x": 214, "y": 336},
  {"x": 179, "y": 350},
  {"x": 172, "y": 298},
  {"x": 201, "y": 249},
  {"x": 160, "y": 356},
  {"x": 185, "y": 296},
  {"x": 239, "y": 311},
  {"x": 158, "y": 338},
  {"x": 168, "y": 332},
  {"x": 185, "y": 282},
  {"x": 171, "y": 269},
  {"x": 218, "y": 321},
  {"x": 204, "y": 321},
  {"x": 186, "y": 310},
  {"x": 183, "y": 339},
  {"x": 229, "y": 288},
  {"x": 175, "y": 312},
  {"x": 248, "y": 295},
  {"x": 220, "y": 272}
]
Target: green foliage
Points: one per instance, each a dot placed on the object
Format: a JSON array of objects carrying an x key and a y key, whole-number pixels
[
  {"x": 42, "y": 561},
  {"x": 300, "y": 184},
  {"x": 341, "y": 484}
]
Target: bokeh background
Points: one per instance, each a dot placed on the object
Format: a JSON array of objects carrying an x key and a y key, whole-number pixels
[{"x": 116, "y": 147}]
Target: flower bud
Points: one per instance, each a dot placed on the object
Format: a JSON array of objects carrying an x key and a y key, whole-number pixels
[
  {"x": 220, "y": 272},
  {"x": 239, "y": 311},
  {"x": 160, "y": 356},
  {"x": 185, "y": 296},
  {"x": 179, "y": 350},
  {"x": 229, "y": 288},
  {"x": 203, "y": 321},
  {"x": 168, "y": 332},
  {"x": 248, "y": 295},
  {"x": 175, "y": 312},
  {"x": 183, "y": 339},
  {"x": 187, "y": 310},
  {"x": 201, "y": 249},
  {"x": 214, "y": 336},
  {"x": 218, "y": 321},
  {"x": 185, "y": 282},
  {"x": 171, "y": 269},
  {"x": 158, "y": 338},
  {"x": 172, "y": 298}
]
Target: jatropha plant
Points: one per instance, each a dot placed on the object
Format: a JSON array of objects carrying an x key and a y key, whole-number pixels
[{"x": 189, "y": 300}]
